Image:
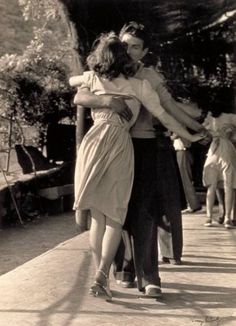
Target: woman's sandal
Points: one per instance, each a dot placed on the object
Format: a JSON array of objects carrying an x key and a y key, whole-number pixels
[{"x": 100, "y": 290}]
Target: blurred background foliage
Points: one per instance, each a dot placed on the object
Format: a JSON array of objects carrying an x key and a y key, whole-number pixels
[
  {"x": 193, "y": 45},
  {"x": 193, "y": 42},
  {"x": 34, "y": 88}
]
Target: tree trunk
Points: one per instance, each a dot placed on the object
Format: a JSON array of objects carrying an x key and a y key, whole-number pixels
[{"x": 76, "y": 67}]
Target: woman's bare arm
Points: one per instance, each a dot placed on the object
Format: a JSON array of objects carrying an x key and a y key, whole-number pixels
[{"x": 117, "y": 104}]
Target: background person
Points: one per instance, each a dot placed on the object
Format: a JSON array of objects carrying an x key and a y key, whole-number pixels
[
  {"x": 185, "y": 162},
  {"x": 220, "y": 166}
]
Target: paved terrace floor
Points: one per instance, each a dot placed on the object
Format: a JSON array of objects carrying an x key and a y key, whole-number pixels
[{"x": 52, "y": 288}]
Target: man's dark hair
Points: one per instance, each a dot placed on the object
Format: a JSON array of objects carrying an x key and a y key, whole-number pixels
[{"x": 137, "y": 30}]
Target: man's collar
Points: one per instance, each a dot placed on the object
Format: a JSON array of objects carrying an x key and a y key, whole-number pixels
[{"x": 139, "y": 66}]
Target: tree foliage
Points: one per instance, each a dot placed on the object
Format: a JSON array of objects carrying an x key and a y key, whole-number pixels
[
  {"x": 38, "y": 9},
  {"x": 34, "y": 86},
  {"x": 193, "y": 42},
  {"x": 204, "y": 60},
  {"x": 192, "y": 45}
]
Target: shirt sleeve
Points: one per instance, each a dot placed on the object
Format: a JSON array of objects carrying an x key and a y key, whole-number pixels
[
  {"x": 163, "y": 93},
  {"x": 150, "y": 99},
  {"x": 87, "y": 80},
  {"x": 160, "y": 86}
]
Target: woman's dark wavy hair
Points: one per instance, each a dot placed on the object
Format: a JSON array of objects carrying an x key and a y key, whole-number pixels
[{"x": 109, "y": 58}]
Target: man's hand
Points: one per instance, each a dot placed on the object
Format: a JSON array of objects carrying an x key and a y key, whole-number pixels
[
  {"x": 206, "y": 140},
  {"x": 118, "y": 105}
]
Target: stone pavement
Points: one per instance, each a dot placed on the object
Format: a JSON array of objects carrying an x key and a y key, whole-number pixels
[{"x": 52, "y": 289}]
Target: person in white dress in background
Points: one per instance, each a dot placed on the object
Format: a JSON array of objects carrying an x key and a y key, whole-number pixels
[{"x": 220, "y": 166}]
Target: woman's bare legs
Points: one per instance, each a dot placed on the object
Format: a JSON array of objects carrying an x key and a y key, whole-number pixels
[
  {"x": 234, "y": 209},
  {"x": 229, "y": 200},
  {"x": 210, "y": 200},
  {"x": 221, "y": 203},
  {"x": 105, "y": 236},
  {"x": 97, "y": 230},
  {"x": 111, "y": 241}
]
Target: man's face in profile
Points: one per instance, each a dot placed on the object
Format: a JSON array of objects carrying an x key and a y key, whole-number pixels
[{"x": 134, "y": 47}]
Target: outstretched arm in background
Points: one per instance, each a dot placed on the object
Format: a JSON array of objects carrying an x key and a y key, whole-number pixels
[
  {"x": 184, "y": 113},
  {"x": 179, "y": 112},
  {"x": 151, "y": 102},
  {"x": 190, "y": 109}
]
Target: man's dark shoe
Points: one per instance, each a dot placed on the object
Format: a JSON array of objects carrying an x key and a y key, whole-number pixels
[
  {"x": 126, "y": 284},
  {"x": 165, "y": 260},
  {"x": 171, "y": 261},
  {"x": 191, "y": 211},
  {"x": 152, "y": 291},
  {"x": 196, "y": 209},
  {"x": 175, "y": 261}
]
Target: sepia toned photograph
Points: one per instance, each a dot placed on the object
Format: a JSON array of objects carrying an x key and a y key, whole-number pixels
[{"x": 118, "y": 163}]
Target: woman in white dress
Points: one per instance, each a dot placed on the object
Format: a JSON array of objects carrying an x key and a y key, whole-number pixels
[
  {"x": 220, "y": 166},
  {"x": 105, "y": 161}
]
